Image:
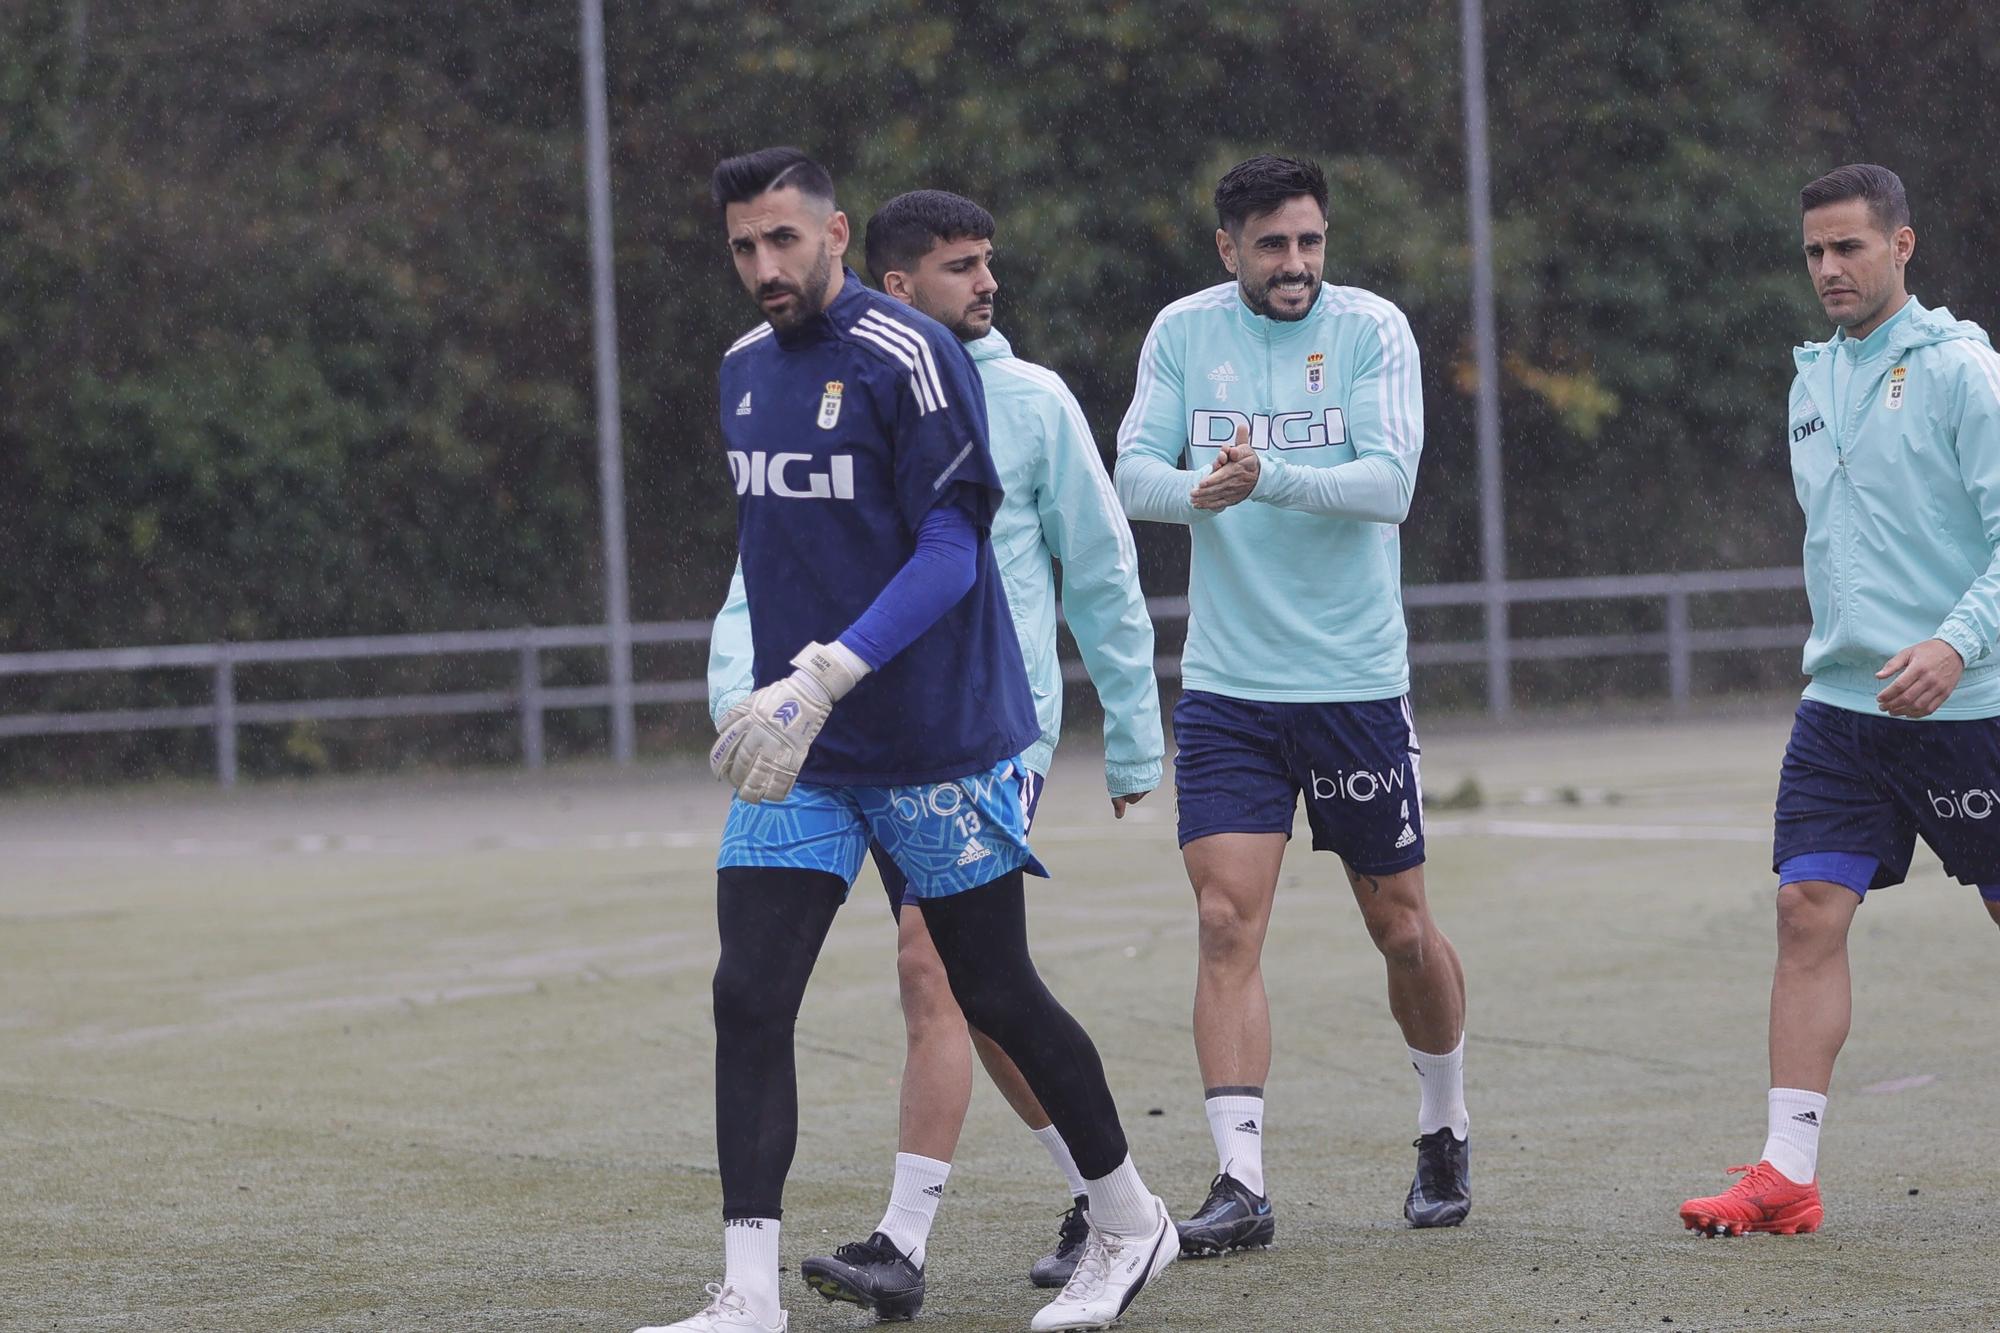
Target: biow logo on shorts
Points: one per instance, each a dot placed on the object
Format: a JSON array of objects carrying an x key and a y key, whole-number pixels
[
  {"x": 947, "y": 800},
  {"x": 1359, "y": 785},
  {"x": 790, "y": 476},
  {"x": 1973, "y": 803}
]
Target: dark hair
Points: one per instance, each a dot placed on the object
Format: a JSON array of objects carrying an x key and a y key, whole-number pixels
[
  {"x": 737, "y": 179},
  {"x": 911, "y": 225},
  {"x": 1881, "y": 187},
  {"x": 1262, "y": 185}
]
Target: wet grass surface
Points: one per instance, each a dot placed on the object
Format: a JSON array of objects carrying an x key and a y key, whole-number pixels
[{"x": 436, "y": 1055}]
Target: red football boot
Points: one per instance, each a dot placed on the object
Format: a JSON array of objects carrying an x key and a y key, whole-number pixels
[{"x": 1764, "y": 1200}]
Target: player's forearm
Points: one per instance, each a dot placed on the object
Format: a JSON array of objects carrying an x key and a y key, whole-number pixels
[
  {"x": 938, "y": 574},
  {"x": 1134, "y": 749},
  {"x": 1114, "y": 636},
  {"x": 1155, "y": 491},
  {"x": 1374, "y": 489},
  {"x": 1121, "y": 779},
  {"x": 1973, "y": 627},
  {"x": 731, "y": 660}
]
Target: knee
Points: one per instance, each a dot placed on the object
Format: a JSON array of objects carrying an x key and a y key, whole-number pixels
[
  {"x": 980, "y": 1006},
  {"x": 1228, "y": 933},
  {"x": 1812, "y": 919},
  {"x": 746, "y": 1002},
  {"x": 1401, "y": 933},
  {"x": 993, "y": 1002}
]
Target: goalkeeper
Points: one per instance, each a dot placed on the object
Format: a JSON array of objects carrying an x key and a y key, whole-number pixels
[
  {"x": 893, "y": 706},
  {"x": 934, "y": 250}
]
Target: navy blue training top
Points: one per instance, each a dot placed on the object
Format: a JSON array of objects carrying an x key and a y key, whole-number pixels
[{"x": 843, "y": 433}]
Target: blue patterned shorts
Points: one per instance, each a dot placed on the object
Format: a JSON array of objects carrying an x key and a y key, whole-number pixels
[{"x": 946, "y": 837}]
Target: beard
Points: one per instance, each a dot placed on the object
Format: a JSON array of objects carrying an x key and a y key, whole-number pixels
[
  {"x": 1258, "y": 298},
  {"x": 967, "y": 327},
  {"x": 809, "y": 296},
  {"x": 1860, "y": 312}
]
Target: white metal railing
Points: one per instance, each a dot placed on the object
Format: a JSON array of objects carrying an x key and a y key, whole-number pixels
[{"x": 1678, "y": 641}]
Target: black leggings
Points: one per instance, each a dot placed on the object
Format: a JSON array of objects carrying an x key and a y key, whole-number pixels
[{"x": 773, "y": 922}]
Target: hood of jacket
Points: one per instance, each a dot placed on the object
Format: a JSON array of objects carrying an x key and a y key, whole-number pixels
[
  {"x": 993, "y": 346},
  {"x": 1916, "y": 328}
]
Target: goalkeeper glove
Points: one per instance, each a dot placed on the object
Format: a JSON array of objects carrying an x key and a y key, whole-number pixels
[
  {"x": 762, "y": 750},
  {"x": 732, "y": 715}
]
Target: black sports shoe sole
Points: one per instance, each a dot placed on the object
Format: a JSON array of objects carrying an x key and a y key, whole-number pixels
[
  {"x": 1254, "y": 1233},
  {"x": 890, "y": 1309},
  {"x": 1441, "y": 1216}
]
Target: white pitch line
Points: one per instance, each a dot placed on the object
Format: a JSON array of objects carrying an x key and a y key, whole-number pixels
[
  {"x": 367, "y": 844},
  {"x": 1530, "y": 828},
  {"x": 325, "y": 844}
]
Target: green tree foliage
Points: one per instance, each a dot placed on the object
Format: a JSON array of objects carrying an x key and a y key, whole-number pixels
[{"x": 296, "y": 336}]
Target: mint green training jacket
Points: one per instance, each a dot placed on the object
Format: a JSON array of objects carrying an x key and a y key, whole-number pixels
[
  {"x": 1896, "y": 461},
  {"x": 1059, "y": 505},
  {"x": 1295, "y": 594}
]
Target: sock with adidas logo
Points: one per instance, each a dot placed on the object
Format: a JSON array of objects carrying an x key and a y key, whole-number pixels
[
  {"x": 913, "y": 1202},
  {"x": 1236, "y": 1121},
  {"x": 1441, "y": 1079},
  {"x": 1792, "y": 1142}
]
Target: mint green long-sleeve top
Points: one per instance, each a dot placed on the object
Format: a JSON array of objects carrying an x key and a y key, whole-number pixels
[
  {"x": 1295, "y": 594},
  {"x": 1895, "y": 442}
]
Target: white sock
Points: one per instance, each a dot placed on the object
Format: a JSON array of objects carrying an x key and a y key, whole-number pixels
[
  {"x": 1442, "y": 1078},
  {"x": 1792, "y": 1142},
  {"x": 1120, "y": 1203},
  {"x": 750, "y": 1253},
  {"x": 1059, "y": 1154},
  {"x": 913, "y": 1203},
  {"x": 1236, "y": 1122}
]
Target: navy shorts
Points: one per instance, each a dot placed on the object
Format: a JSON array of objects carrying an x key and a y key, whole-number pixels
[
  {"x": 1869, "y": 785},
  {"x": 897, "y": 884},
  {"x": 1242, "y": 765}
]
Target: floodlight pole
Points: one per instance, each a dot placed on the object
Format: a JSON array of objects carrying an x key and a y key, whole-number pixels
[
  {"x": 1492, "y": 514},
  {"x": 610, "y": 443}
]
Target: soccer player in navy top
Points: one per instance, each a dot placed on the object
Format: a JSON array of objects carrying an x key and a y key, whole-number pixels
[{"x": 892, "y": 704}]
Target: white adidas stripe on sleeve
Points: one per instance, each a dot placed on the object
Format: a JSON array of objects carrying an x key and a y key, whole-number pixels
[
  {"x": 761, "y": 331},
  {"x": 918, "y": 347},
  {"x": 925, "y": 404}
]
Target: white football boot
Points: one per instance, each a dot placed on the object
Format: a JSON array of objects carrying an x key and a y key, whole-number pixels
[
  {"x": 728, "y": 1312},
  {"x": 1110, "y": 1274}
]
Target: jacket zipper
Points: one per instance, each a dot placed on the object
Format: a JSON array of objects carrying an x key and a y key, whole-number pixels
[
  {"x": 1269, "y": 382},
  {"x": 1843, "y": 547},
  {"x": 1843, "y": 585}
]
